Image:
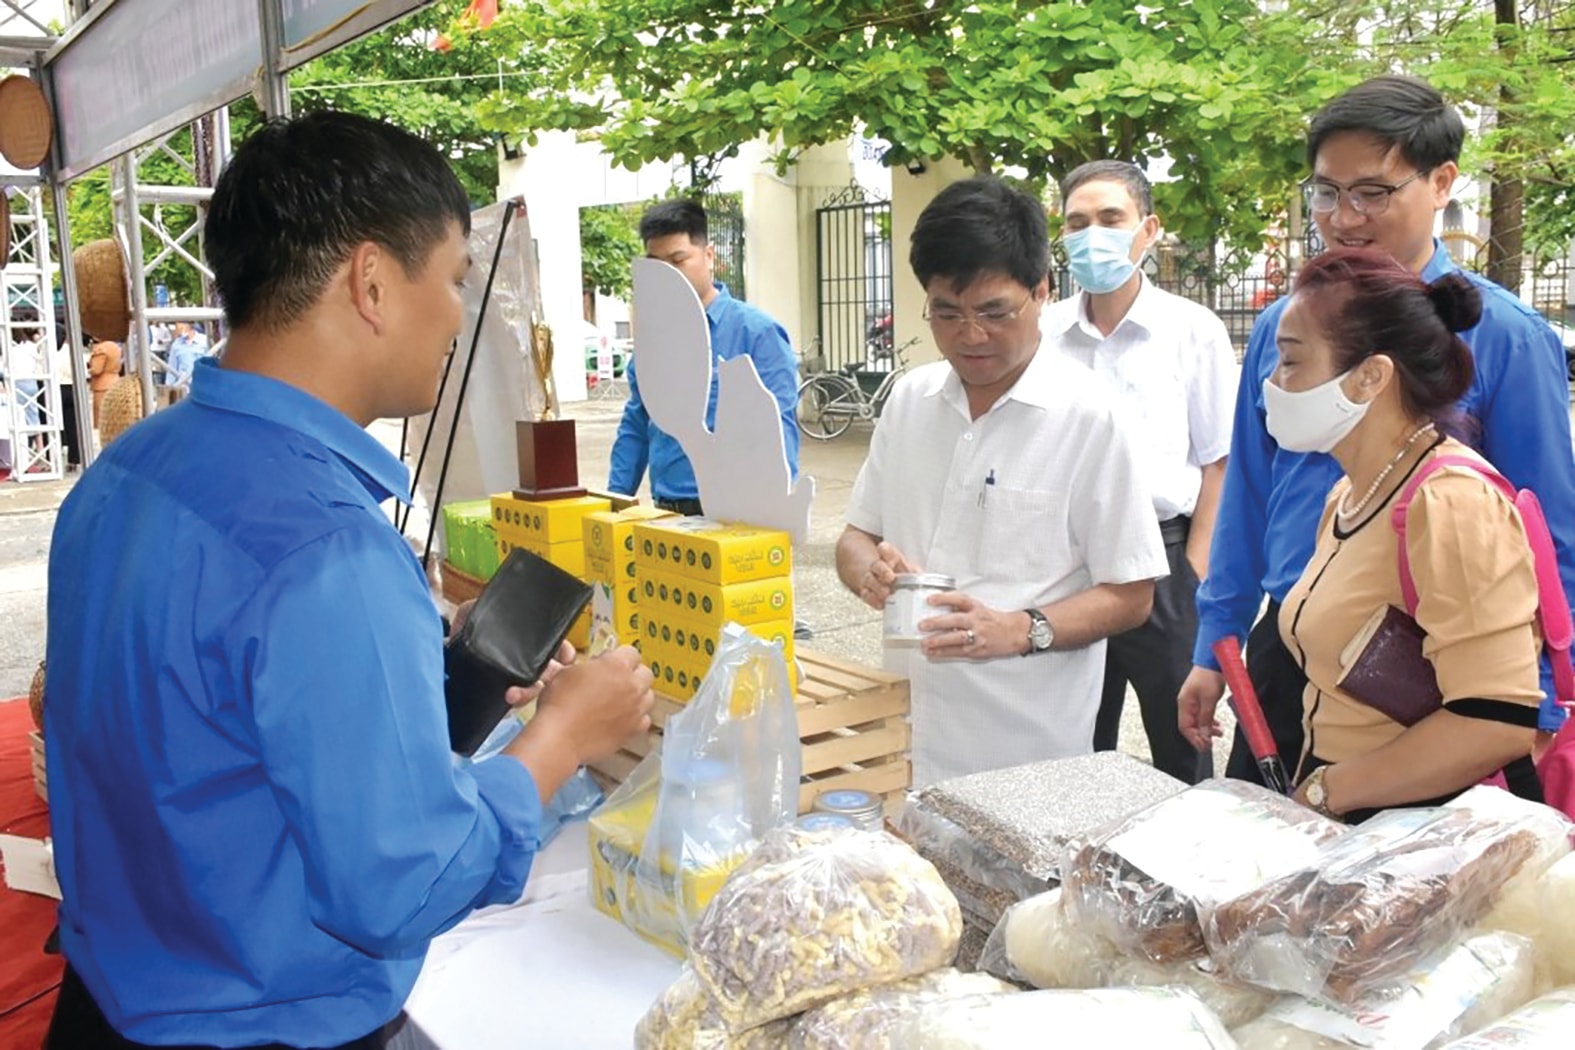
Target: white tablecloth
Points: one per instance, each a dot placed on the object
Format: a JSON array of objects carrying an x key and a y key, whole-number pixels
[{"x": 550, "y": 972}]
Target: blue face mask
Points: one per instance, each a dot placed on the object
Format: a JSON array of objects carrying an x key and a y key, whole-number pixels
[{"x": 1100, "y": 257}]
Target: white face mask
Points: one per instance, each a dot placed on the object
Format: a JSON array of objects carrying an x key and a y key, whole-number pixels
[{"x": 1313, "y": 420}]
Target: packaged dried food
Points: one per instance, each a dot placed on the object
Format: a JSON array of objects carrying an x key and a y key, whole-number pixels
[
  {"x": 1542, "y": 1024},
  {"x": 685, "y": 1018},
  {"x": 971, "y": 948},
  {"x": 1143, "y": 881},
  {"x": 1555, "y": 939},
  {"x": 1519, "y": 909},
  {"x": 1107, "y": 1018},
  {"x": 728, "y": 772},
  {"x": 868, "y": 1020},
  {"x": 1233, "y": 1003},
  {"x": 857, "y": 910},
  {"x": 1474, "y": 985},
  {"x": 1372, "y": 907},
  {"x": 1039, "y": 943},
  {"x": 1006, "y": 831}
]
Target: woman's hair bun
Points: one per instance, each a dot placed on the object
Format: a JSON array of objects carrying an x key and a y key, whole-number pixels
[{"x": 1456, "y": 301}]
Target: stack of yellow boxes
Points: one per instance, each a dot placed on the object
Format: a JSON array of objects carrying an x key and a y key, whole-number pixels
[
  {"x": 553, "y": 530},
  {"x": 694, "y": 576},
  {"x": 609, "y": 568}
]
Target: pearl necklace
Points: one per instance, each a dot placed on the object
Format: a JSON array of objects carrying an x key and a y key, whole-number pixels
[{"x": 1346, "y": 510}]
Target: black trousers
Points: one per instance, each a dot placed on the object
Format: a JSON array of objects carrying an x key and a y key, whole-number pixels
[
  {"x": 78, "y": 1024},
  {"x": 68, "y": 424},
  {"x": 688, "y": 507},
  {"x": 1280, "y": 683},
  {"x": 1155, "y": 659}
]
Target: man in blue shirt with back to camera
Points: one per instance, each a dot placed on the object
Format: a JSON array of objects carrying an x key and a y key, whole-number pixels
[
  {"x": 259, "y": 826},
  {"x": 1384, "y": 157},
  {"x": 677, "y": 232}
]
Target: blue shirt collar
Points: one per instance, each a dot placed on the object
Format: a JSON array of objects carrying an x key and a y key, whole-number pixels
[
  {"x": 1441, "y": 263},
  {"x": 279, "y": 402},
  {"x": 722, "y": 296}
]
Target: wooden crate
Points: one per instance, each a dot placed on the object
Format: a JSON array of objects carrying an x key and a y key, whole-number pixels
[
  {"x": 460, "y": 586},
  {"x": 853, "y": 728},
  {"x": 35, "y": 743}
]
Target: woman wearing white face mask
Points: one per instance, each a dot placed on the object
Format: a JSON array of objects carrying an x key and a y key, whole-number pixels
[{"x": 1370, "y": 370}]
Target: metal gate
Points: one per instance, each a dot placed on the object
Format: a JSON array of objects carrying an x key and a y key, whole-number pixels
[
  {"x": 853, "y": 280},
  {"x": 725, "y": 224}
]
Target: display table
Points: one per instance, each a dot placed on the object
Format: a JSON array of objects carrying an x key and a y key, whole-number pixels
[{"x": 550, "y": 972}]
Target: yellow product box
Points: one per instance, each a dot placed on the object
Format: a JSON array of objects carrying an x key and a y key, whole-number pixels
[
  {"x": 622, "y": 573},
  {"x": 698, "y": 639},
  {"x": 543, "y": 521},
  {"x": 610, "y": 534},
  {"x": 570, "y": 557},
  {"x": 758, "y": 601},
  {"x": 712, "y": 551},
  {"x": 679, "y": 678},
  {"x": 672, "y": 676},
  {"x": 649, "y": 908}
]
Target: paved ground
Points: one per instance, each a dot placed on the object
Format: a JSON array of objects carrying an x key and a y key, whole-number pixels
[{"x": 843, "y": 626}]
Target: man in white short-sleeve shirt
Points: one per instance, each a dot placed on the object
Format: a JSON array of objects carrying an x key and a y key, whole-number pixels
[
  {"x": 1170, "y": 363},
  {"x": 1009, "y": 470}
]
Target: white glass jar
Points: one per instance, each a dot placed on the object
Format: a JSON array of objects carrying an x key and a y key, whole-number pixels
[{"x": 908, "y": 604}]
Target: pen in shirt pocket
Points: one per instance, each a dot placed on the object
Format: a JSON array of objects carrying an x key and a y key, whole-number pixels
[{"x": 984, "y": 490}]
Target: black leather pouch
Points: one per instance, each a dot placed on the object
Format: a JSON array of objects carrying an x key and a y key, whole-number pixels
[{"x": 511, "y": 635}]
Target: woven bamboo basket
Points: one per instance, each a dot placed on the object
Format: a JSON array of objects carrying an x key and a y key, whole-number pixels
[
  {"x": 35, "y": 697},
  {"x": 26, "y": 130},
  {"x": 121, "y": 408},
  {"x": 103, "y": 290}
]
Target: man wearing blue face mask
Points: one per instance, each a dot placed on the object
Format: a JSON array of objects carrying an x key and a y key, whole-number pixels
[
  {"x": 1170, "y": 364},
  {"x": 1384, "y": 161}
]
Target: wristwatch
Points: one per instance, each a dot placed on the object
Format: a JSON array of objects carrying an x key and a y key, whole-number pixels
[
  {"x": 1315, "y": 793},
  {"x": 1040, "y": 633}
]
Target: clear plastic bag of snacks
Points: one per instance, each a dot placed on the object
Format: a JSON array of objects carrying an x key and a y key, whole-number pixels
[
  {"x": 727, "y": 772},
  {"x": 1108, "y": 1019},
  {"x": 1543, "y": 1024},
  {"x": 1143, "y": 881},
  {"x": 999, "y": 837},
  {"x": 869, "y": 1020},
  {"x": 857, "y": 910},
  {"x": 1373, "y": 907},
  {"x": 1233, "y": 1003},
  {"x": 1038, "y": 942},
  {"x": 1472, "y": 986},
  {"x": 684, "y": 1018}
]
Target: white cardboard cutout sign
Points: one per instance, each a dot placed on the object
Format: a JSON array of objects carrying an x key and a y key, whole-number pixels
[{"x": 741, "y": 467}]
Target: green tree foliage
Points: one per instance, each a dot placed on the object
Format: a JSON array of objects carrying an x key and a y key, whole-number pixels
[
  {"x": 609, "y": 240},
  {"x": 396, "y": 75},
  {"x": 1220, "y": 87},
  {"x": 1510, "y": 67},
  {"x": 1044, "y": 86}
]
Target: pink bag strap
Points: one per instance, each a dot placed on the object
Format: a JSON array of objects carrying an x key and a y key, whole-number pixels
[{"x": 1553, "y": 609}]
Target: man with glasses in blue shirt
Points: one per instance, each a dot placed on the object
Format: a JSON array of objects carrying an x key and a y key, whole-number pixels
[
  {"x": 259, "y": 826},
  {"x": 1385, "y": 158}
]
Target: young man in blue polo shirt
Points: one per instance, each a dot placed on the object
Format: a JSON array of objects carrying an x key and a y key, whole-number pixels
[
  {"x": 1384, "y": 158},
  {"x": 677, "y": 232},
  {"x": 258, "y": 824}
]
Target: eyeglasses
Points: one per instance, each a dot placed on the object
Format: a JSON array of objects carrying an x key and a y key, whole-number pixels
[
  {"x": 1366, "y": 198},
  {"x": 988, "y": 320}
]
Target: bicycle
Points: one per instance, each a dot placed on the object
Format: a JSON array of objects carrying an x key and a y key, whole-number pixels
[{"x": 829, "y": 402}]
